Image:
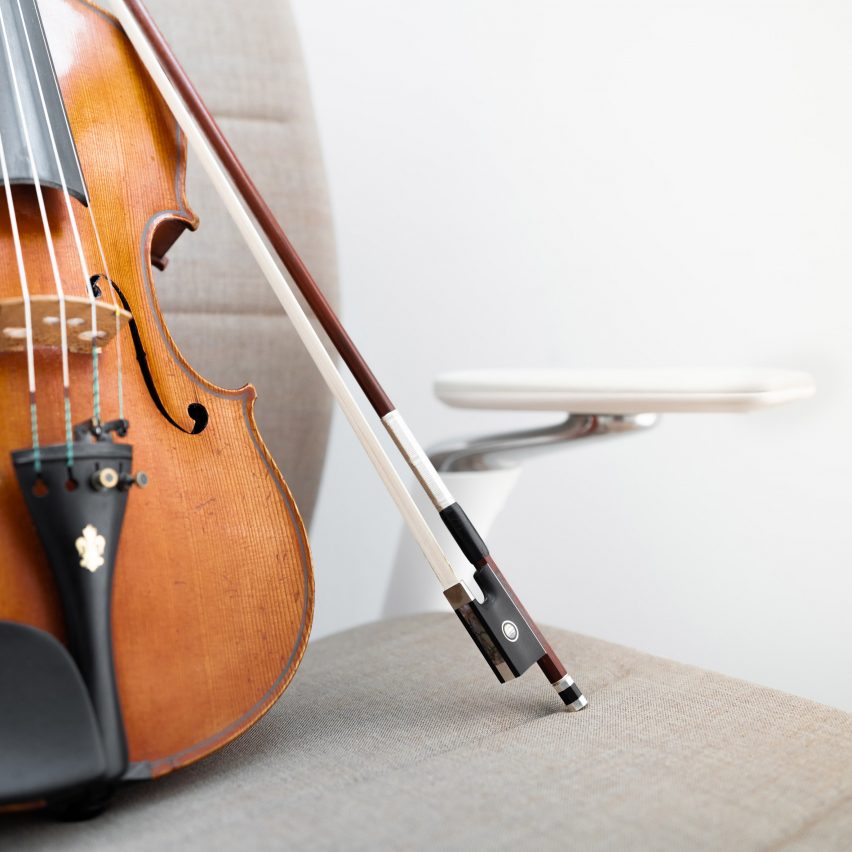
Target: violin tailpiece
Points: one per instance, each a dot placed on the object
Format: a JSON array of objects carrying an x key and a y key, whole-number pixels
[{"x": 78, "y": 514}]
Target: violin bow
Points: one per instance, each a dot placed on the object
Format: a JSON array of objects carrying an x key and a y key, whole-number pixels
[{"x": 496, "y": 620}]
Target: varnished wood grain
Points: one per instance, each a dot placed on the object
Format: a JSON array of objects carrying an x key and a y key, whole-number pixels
[{"x": 213, "y": 590}]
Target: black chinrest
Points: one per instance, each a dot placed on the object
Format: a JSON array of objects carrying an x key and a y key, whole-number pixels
[{"x": 50, "y": 744}]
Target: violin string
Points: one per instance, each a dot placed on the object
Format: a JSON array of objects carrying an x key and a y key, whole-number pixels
[
  {"x": 51, "y": 249},
  {"x": 28, "y": 320},
  {"x": 84, "y": 267},
  {"x": 108, "y": 275},
  {"x": 115, "y": 307},
  {"x": 105, "y": 266}
]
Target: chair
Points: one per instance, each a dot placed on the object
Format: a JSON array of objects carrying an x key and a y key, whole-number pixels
[{"x": 395, "y": 735}]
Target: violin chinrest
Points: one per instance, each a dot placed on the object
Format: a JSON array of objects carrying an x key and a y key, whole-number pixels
[{"x": 50, "y": 743}]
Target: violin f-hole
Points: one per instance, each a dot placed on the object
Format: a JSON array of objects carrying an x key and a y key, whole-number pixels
[{"x": 196, "y": 411}]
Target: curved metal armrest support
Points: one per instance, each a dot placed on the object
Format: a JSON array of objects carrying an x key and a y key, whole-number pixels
[{"x": 508, "y": 449}]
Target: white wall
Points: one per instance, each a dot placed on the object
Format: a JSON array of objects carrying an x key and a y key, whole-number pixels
[{"x": 608, "y": 184}]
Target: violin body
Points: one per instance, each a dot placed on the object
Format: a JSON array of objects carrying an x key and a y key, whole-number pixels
[{"x": 213, "y": 588}]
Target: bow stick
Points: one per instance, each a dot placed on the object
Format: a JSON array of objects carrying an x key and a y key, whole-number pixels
[{"x": 499, "y": 624}]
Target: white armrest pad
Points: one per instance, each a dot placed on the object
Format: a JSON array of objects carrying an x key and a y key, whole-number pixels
[{"x": 623, "y": 391}]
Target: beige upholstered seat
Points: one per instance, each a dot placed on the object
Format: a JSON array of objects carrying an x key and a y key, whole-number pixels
[{"x": 396, "y": 735}]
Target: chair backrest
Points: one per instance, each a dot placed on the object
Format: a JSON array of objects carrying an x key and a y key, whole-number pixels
[{"x": 246, "y": 60}]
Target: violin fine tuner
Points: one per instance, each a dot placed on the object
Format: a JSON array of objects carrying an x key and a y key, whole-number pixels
[
  {"x": 106, "y": 478},
  {"x": 140, "y": 480}
]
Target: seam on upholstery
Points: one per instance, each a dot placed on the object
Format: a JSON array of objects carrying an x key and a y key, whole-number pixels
[{"x": 804, "y": 829}]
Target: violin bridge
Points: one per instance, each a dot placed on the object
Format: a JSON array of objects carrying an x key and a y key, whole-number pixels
[{"x": 46, "y": 328}]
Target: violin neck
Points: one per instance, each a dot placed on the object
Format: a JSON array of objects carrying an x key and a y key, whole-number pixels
[{"x": 32, "y": 112}]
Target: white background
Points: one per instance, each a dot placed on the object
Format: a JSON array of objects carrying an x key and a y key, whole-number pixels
[{"x": 615, "y": 183}]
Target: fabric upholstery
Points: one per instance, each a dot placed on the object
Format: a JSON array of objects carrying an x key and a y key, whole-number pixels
[
  {"x": 397, "y": 736},
  {"x": 246, "y": 61}
]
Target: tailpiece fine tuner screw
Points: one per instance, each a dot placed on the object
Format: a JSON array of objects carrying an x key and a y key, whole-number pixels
[
  {"x": 104, "y": 479},
  {"x": 127, "y": 481}
]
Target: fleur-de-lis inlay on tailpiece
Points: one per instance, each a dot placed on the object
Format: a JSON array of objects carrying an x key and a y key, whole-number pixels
[{"x": 91, "y": 545}]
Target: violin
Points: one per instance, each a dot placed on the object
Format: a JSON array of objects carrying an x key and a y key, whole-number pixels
[
  {"x": 186, "y": 603},
  {"x": 145, "y": 524}
]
